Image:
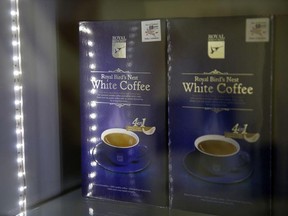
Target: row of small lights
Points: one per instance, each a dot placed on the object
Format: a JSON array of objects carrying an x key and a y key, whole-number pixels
[
  {"x": 91, "y": 104},
  {"x": 18, "y": 90},
  {"x": 92, "y": 66},
  {"x": 19, "y": 118}
]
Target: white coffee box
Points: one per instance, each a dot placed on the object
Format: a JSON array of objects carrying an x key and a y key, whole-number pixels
[{"x": 220, "y": 76}]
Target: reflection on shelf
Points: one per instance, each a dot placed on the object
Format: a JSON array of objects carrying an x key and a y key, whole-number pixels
[{"x": 74, "y": 204}]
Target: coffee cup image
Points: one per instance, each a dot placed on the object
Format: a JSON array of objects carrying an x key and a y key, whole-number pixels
[
  {"x": 220, "y": 155},
  {"x": 121, "y": 146}
]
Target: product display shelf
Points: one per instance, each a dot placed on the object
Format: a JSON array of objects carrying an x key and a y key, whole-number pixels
[{"x": 73, "y": 204}]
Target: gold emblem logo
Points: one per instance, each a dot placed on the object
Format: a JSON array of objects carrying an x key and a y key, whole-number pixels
[
  {"x": 119, "y": 46},
  {"x": 216, "y": 46}
]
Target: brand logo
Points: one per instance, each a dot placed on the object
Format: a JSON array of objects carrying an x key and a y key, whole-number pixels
[
  {"x": 119, "y": 46},
  {"x": 257, "y": 30},
  {"x": 151, "y": 30},
  {"x": 216, "y": 46}
]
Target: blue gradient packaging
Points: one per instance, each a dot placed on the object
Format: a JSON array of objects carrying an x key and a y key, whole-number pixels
[
  {"x": 123, "y": 111},
  {"x": 220, "y": 114}
]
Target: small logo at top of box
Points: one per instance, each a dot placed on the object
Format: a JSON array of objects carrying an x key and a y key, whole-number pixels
[
  {"x": 151, "y": 30},
  {"x": 257, "y": 30},
  {"x": 216, "y": 46},
  {"x": 119, "y": 46}
]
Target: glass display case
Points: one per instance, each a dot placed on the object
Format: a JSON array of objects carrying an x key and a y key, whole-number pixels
[{"x": 40, "y": 142}]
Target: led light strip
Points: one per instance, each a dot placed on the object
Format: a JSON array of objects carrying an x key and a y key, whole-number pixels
[
  {"x": 18, "y": 89},
  {"x": 91, "y": 105}
]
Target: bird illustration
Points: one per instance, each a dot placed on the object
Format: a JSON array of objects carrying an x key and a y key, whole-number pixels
[
  {"x": 214, "y": 49},
  {"x": 118, "y": 49}
]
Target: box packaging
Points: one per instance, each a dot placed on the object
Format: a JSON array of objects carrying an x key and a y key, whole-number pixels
[
  {"x": 220, "y": 114},
  {"x": 123, "y": 111}
]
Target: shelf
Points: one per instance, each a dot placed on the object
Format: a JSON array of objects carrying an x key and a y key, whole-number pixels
[{"x": 74, "y": 204}]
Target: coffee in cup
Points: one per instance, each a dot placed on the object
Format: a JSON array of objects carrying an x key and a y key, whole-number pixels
[
  {"x": 218, "y": 154},
  {"x": 217, "y": 147},
  {"x": 119, "y": 137},
  {"x": 121, "y": 146}
]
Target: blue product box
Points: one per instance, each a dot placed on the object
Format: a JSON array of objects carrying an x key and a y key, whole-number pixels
[
  {"x": 123, "y": 111},
  {"x": 219, "y": 116}
]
